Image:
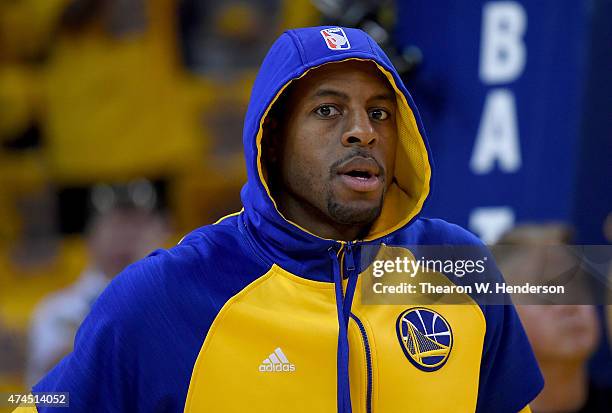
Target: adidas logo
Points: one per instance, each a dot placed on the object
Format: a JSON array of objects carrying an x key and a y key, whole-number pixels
[{"x": 276, "y": 362}]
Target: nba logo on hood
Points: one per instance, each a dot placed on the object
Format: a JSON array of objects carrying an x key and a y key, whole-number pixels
[{"x": 335, "y": 38}]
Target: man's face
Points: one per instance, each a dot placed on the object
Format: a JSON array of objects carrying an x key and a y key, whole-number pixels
[
  {"x": 124, "y": 235},
  {"x": 560, "y": 332},
  {"x": 337, "y": 146}
]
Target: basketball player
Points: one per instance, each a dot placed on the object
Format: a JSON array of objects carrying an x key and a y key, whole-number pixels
[{"x": 252, "y": 314}]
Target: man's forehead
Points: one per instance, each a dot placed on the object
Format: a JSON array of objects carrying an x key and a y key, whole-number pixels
[{"x": 345, "y": 73}]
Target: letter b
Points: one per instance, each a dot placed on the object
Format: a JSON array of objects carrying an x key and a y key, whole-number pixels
[{"x": 502, "y": 51}]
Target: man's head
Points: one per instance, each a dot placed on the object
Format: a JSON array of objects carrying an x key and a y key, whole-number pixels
[
  {"x": 559, "y": 334},
  {"x": 124, "y": 226},
  {"x": 122, "y": 235},
  {"x": 330, "y": 148}
]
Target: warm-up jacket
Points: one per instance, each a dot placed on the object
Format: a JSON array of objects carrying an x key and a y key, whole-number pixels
[{"x": 256, "y": 314}]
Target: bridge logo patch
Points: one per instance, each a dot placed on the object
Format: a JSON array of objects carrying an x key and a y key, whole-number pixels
[{"x": 425, "y": 337}]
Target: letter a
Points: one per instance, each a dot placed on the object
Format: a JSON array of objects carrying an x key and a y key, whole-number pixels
[{"x": 497, "y": 135}]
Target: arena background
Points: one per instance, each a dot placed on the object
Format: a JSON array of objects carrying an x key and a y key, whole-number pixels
[{"x": 99, "y": 99}]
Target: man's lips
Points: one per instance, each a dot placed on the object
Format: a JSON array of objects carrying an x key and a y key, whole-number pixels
[
  {"x": 361, "y": 174},
  {"x": 359, "y": 165}
]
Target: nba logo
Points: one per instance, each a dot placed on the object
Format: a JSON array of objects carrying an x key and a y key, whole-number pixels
[{"x": 335, "y": 38}]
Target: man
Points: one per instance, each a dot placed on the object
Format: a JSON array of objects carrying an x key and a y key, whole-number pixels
[
  {"x": 563, "y": 337},
  {"x": 252, "y": 314},
  {"x": 117, "y": 235}
]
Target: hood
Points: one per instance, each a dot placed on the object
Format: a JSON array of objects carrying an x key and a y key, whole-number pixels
[{"x": 293, "y": 54}]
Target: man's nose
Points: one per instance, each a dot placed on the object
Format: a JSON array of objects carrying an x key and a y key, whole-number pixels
[{"x": 359, "y": 131}]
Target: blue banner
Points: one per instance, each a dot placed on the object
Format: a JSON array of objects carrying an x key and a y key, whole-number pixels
[{"x": 500, "y": 90}]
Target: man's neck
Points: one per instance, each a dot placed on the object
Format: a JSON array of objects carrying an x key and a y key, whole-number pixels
[
  {"x": 566, "y": 387},
  {"x": 315, "y": 222}
]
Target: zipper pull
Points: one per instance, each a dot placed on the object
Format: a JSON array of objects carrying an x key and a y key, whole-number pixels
[{"x": 350, "y": 261}]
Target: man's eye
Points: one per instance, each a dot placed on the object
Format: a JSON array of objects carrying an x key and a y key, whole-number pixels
[
  {"x": 379, "y": 114},
  {"x": 327, "y": 111}
]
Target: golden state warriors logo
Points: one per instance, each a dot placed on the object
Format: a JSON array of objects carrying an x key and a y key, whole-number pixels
[{"x": 426, "y": 338}]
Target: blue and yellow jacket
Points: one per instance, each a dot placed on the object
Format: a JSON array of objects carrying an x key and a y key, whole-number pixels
[{"x": 255, "y": 314}]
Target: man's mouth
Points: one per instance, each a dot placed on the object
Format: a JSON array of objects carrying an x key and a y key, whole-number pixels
[{"x": 361, "y": 174}]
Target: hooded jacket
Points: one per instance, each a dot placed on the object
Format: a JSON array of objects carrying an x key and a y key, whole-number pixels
[{"x": 256, "y": 314}]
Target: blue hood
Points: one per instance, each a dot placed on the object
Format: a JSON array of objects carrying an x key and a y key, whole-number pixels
[{"x": 293, "y": 54}]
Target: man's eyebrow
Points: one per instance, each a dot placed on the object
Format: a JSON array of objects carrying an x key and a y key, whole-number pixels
[
  {"x": 384, "y": 96},
  {"x": 331, "y": 92},
  {"x": 390, "y": 96}
]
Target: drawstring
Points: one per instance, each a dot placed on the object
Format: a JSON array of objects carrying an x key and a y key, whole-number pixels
[
  {"x": 352, "y": 282},
  {"x": 343, "y": 308}
]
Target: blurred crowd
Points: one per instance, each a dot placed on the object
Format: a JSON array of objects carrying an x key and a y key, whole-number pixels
[{"x": 120, "y": 131}]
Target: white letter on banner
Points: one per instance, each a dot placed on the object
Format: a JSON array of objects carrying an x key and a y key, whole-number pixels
[
  {"x": 497, "y": 135},
  {"x": 490, "y": 223},
  {"x": 502, "y": 51}
]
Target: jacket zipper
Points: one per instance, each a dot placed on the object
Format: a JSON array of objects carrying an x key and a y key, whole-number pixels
[
  {"x": 349, "y": 261},
  {"x": 343, "y": 399},
  {"x": 368, "y": 356}
]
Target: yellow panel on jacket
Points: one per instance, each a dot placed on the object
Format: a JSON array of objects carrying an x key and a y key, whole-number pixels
[
  {"x": 277, "y": 311},
  {"x": 399, "y": 385},
  {"x": 290, "y": 324}
]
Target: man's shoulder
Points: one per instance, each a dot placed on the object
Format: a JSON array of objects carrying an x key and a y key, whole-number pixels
[
  {"x": 202, "y": 253},
  {"x": 194, "y": 277}
]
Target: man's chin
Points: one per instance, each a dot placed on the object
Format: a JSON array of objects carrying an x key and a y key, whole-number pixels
[{"x": 354, "y": 213}]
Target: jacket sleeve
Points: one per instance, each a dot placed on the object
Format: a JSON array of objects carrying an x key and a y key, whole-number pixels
[
  {"x": 136, "y": 349},
  {"x": 98, "y": 374}
]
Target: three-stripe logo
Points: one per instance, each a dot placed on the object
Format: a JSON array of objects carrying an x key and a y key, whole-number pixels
[{"x": 276, "y": 362}]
